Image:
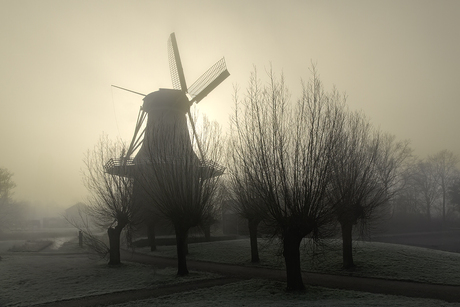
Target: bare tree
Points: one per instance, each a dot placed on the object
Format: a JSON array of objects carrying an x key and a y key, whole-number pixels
[
  {"x": 210, "y": 217},
  {"x": 406, "y": 202},
  {"x": 354, "y": 189},
  {"x": 6, "y": 191},
  {"x": 286, "y": 153},
  {"x": 181, "y": 187},
  {"x": 110, "y": 203},
  {"x": 6, "y": 185},
  {"x": 243, "y": 196},
  {"x": 247, "y": 205},
  {"x": 89, "y": 234},
  {"x": 366, "y": 176},
  {"x": 454, "y": 193},
  {"x": 426, "y": 181},
  {"x": 444, "y": 164}
]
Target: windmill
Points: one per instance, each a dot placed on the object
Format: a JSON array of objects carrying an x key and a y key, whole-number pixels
[{"x": 168, "y": 107}]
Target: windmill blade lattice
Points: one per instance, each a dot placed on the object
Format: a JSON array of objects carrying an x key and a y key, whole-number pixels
[
  {"x": 175, "y": 65},
  {"x": 208, "y": 81}
]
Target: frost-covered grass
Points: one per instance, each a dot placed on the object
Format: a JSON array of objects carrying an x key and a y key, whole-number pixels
[
  {"x": 68, "y": 272},
  {"x": 32, "y": 246},
  {"x": 258, "y": 292},
  {"x": 5, "y": 245},
  {"x": 380, "y": 260},
  {"x": 32, "y": 278}
]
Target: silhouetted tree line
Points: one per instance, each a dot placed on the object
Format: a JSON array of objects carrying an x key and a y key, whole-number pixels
[
  {"x": 6, "y": 202},
  {"x": 430, "y": 191},
  {"x": 12, "y": 212}
]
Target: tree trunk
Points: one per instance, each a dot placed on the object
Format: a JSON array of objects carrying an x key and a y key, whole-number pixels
[
  {"x": 291, "y": 253},
  {"x": 207, "y": 233},
  {"x": 252, "y": 224},
  {"x": 151, "y": 236},
  {"x": 428, "y": 209},
  {"x": 181, "y": 244},
  {"x": 80, "y": 238},
  {"x": 114, "y": 244},
  {"x": 347, "y": 245},
  {"x": 443, "y": 204},
  {"x": 186, "y": 243}
]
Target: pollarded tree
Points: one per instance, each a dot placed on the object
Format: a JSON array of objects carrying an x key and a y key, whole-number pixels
[
  {"x": 285, "y": 152},
  {"x": 245, "y": 201},
  {"x": 180, "y": 186},
  {"x": 247, "y": 205},
  {"x": 110, "y": 204},
  {"x": 354, "y": 181},
  {"x": 366, "y": 171}
]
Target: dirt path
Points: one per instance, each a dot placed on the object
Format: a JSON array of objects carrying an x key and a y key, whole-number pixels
[
  {"x": 373, "y": 285},
  {"x": 233, "y": 273}
]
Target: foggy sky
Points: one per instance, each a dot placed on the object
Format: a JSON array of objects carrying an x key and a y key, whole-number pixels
[{"x": 398, "y": 61}]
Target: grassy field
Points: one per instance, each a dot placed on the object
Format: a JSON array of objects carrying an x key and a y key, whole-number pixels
[
  {"x": 30, "y": 278},
  {"x": 269, "y": 293},
  {"x": 381, "y": 260}
]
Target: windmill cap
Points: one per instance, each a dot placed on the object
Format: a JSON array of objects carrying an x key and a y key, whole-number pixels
[{"x": 166, "y": 99}]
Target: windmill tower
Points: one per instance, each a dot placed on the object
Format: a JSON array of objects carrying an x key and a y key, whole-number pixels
[{"x": 169, "y": 109}]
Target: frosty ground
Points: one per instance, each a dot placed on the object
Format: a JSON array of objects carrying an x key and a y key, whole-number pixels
[{"x": 69, "y": 273}]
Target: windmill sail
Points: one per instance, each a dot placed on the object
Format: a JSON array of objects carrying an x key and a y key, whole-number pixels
[
  {"x": 175, "y": 65},
  {"x": 203, "y": 86},
  {"x": 208, "y": 81}
]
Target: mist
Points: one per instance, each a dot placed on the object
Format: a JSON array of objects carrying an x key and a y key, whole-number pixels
[{"x": 396, "y": 62}]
